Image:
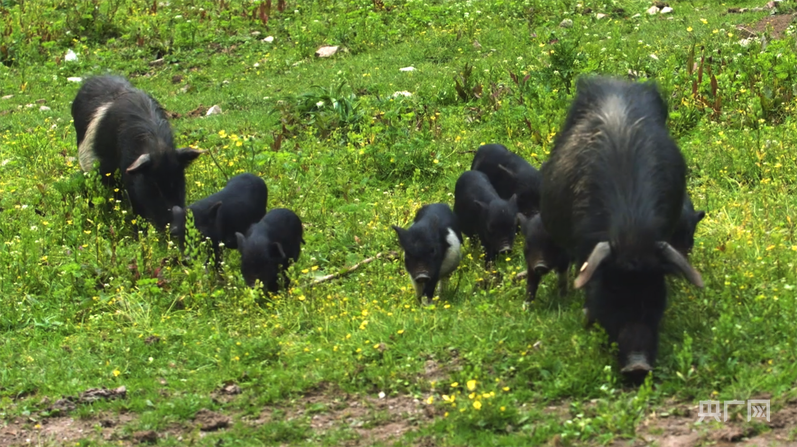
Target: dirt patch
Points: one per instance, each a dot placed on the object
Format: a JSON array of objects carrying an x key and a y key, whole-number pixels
[
  {"x": 374, "y": 419},
  {"x": 678, "y": 428},
  {"x": 779, "y": 24},
  {"x": 211, "y": 421},
  {"x": 62, "y": 430}
]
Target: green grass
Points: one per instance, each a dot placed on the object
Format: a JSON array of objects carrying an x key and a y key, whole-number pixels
[{"x": 80, "y": 294}]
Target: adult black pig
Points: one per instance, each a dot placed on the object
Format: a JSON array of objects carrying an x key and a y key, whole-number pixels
[
  {"x": 612, "y": 194},
  {"x": 482, "y": 213},
  {"x": 269, "y": 247},
  {"x": 510, "y": 174},
  {"x": 124, "y": 128},
  {"x": 432, "y": 248},
  {"x": 240, "y": 204}
]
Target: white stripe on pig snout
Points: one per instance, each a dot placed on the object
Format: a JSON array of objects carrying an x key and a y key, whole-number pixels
[{"x": 85, "y": 153}]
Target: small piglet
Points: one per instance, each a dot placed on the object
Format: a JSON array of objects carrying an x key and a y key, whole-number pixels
[
  {"x": 484, "y": 214},
  {"x": 240, "y": 204},
  {"x": 124, "y": 128},
  {"x": 510, "y": 174},
  {"x": 542, "y": 256},
  {"x": 268, "y": 248},
  {"x": 431, "y": 249},
  {"x": 683, "y": 238}
]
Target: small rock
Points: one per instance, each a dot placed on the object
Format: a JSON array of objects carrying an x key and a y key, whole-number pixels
[
  {"x": 255, "y": 33},
  {"x": 215, "y": 110},
  {"x": 407, "y": 69},
  {"x": 8, "y": 96},
  {"x": 636, "y": 16},
  {"x": 210, "y": 421},
  {"x": 477, "y": 45},
  {"x": 537, "y": 344},
  {"x": 326, "y": 51},
  {"x": 74, "y": 79},
  {"x": 653, "y": 10},
  {"x": 256, "y": 64},
  {"x": 70, "y": 56},
  {"x": 185, "y": 88},
  {"x": 145, "y": 437},
  {"x": 600, "y": 16},
  {"x": 770, "y": 5},
  {"x": 566, "y": 23},
  {"x": 402, "y": 93},
  {"x": 653, "y": 56},
  {"x": 156, "y": 62},
  {"x": 666, "y": 10},
  {"x": 230, "y": 390},
  {"x": 29, "y": 105},
  {"x": 44, "y": 108},
  {"x": 41, "y": 101},
  {"x": 268, "y": 39}
]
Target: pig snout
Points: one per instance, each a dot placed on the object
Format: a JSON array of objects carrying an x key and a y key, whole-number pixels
[
  {"x": 541, "y": 268},
  {"x": 422, "y": 278},
  {"x": 636, "y": 365}
]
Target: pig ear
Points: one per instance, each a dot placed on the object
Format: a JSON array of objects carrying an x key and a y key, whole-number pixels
[
  {"x": 214, "y": 210},
  {"x": 241, "y": 239},
  {"x": 401, "y": 232},
  {"x": 513, "y": 200},
  {"x": 277, "y": 251},
  {"x": 699, "y": 216},
  {"x": 505, "y": 169},
  {"x": 186, "y": 155},
  {"x": 141, "y": 164},
  {"x": 601, "y": 251},
  {"x": 677, "y": 259}
]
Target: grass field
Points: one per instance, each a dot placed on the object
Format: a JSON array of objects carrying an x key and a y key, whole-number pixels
[{"x": 355, "y": 360}]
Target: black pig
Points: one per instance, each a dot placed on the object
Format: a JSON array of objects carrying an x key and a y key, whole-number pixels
[
  {"x": 542, "y": 255},
  {"x": 124, "y": 128},
  {"x": 683, "y": 238},
  {"x": 612, "y": 194},
  {"x": 269, "y": 247},
  {"x": 510, "y": 174},
  {"x": 432, "y": 248},
  {"x": 482, "y": 213},
  {"x": 240, "y": 204}
]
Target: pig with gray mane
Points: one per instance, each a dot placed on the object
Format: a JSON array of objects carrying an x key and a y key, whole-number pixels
[
  {"x": 240, "y": 204},
  {"x": 123, "y": 128},
  {"x": 432, "y": 248},
  {"x": 484, "y": 214},
  {"x": 612, "y": 193}
]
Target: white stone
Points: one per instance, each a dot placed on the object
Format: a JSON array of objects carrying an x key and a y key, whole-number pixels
[
  {"x": 268, "y": 39},
  {"x": 74, "y": 79},
  {"x": 599, "y": 16},
  {"x": 653, "y": 10},
  {"x": 402, "y": 93},
  {"x": 44, "y": 108},
  {"x": 8, "y": 96},
  {"x": 70, "y": 56},
  {"x": 215, "y": 110},
  {"x": 407, "y": 69},
  {"x": 566, "y": 23},
  {"x": 636, "y": 16},
  {"x": 666, "y": 10},
  {"x": 326, "y": 51}
]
